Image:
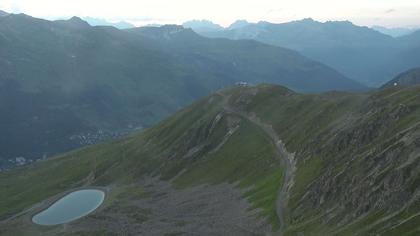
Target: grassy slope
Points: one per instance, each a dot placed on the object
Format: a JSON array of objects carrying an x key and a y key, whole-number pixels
[
  {"x": 152, "y": 152},
  {"x": 325, "y": 131},
  {"x": 308, "y": 125},
  {"x": 77, "y": 80}
]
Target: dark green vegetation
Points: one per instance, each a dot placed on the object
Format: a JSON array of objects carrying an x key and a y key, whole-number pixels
[
  {"x": 408, "y": 78},
  {"x": 64, "y": 84},
  {"x": 360, "y": 53},
  {"x": 357, "y": 161}
]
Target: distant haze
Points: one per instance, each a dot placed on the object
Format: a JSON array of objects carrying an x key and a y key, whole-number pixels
[{"x": 389, "y": 13}]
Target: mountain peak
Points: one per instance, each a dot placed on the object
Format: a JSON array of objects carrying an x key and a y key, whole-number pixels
[
  {"x": 309, "y": 19},
  {"x": 172, "y": 29},
  {"x": 202, "y": 25},
  {"x": 165, "y": 32},
  {"x": 238, "y": 24},
  {"x": 306, "y": 21},
  {"x": 104, "y": 22},
  {"x": 74, "y": 22},
  {"x": 77, "y": 21},
  {"x": 342, "y": 23},
  {"x": 3, "y": 13}
]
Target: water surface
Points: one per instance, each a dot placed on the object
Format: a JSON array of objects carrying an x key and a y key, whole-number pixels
[{"x": 71, "y": 207}]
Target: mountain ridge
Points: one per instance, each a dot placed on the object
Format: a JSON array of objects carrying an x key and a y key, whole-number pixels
[
  {"x": 181, "y": 40},
  {"x": 408, "y": 78},
  {"x": 110, "y": 81},
  {"x": 3, "y": 13},
  {"x": 202, "y": 25},
  {"x": 102, "y": 22},
  {"x": 394, "y": 32},
  {"x": 360, "y": 53},
  {"x": 351, "y": 152}
]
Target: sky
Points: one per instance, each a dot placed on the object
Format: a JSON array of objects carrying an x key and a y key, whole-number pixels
[{"x": 388, "y": 13}]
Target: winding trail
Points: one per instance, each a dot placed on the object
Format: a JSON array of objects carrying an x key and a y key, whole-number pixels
[{"x": 285, "y": 157}]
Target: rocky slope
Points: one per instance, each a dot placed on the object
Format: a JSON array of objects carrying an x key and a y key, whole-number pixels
[
  {"x": 246, "y": 161},
  {"x": 408, "y": 78}
]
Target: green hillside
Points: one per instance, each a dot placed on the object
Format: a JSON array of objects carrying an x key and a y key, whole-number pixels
[
  {"x": 243, "y": 161},
  {"x": 66, "y": 84}
]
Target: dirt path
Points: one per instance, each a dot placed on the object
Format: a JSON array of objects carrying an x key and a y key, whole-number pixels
[{"x": 284, "y": 156}]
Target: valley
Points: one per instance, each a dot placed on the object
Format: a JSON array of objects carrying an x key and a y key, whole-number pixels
[
  {"x": 360, "y": 53},
  {"x": 125, "y": 126},
  {"x": 65, "y": 84}
]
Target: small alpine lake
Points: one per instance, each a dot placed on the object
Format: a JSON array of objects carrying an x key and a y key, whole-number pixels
[{"x": 70, "y": 207}]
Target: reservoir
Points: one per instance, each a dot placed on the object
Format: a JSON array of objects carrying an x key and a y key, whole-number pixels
[{"x": 70, "y": 207}]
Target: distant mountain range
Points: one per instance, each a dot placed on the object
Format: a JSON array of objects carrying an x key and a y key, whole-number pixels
[
  {"x": 360, "y": 53},
  {"x": 65, "y": 83},
  {"x": 202, "y": 25},
  {"x": 102, "y": 22},
  {"x": 395, "y": 32},
  {"x": 251, "y": 61}
]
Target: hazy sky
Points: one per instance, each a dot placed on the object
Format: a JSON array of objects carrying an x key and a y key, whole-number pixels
[{"x": 391, "y": 13}]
